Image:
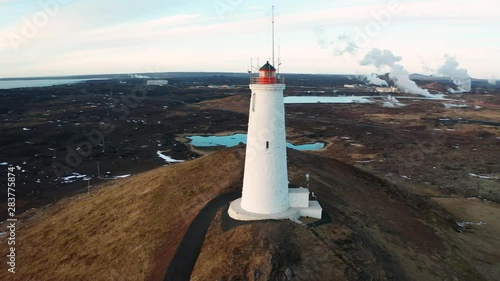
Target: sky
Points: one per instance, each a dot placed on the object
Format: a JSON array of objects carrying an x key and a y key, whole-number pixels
[{"x": 72, "y": 37}]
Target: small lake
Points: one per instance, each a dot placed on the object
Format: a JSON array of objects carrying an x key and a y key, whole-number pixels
[
  {"x": 350, "y": 99},
  {"x": 339, "y": 99},
  {"x": 234, "y": 140},
  {"x": 29, "y": 83}
]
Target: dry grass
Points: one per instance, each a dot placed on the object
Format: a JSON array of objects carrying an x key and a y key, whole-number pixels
[
  {"x": 225, "y": 253},
  {"x": 263, "y": 250},
  {"x": 476, "y": 130},
  {"x": 117, "y": 231},
  {"x": 237, "y": 103},
  {"x": 480, "y": 242}
]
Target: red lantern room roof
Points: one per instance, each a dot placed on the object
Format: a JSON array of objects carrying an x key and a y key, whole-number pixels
[
  {"x": 267, "y": 67},
  {"x": 267, "y": 75}
]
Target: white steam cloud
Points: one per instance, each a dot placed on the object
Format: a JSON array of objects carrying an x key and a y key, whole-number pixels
[
  {"x": 345, "y": 45},
  {"x": 374, "y": 80},
  {"x": 459, "y": 76},
  {"x": 397, "y": 73},
  {"x": 492, "y": 81}
]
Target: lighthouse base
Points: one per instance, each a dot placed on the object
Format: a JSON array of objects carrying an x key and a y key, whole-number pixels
[{"x": 238, "y": 213}]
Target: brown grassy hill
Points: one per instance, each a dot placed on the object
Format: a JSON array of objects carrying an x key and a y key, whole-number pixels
[
  {"x": 123, "y": 229},
  {"x": 377, "y": 232},
  {"x": 130, "y": 230},
  {"x": 436, "y": 87}
]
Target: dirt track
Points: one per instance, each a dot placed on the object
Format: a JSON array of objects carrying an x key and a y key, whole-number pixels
[{"x": 182, "y": 264}]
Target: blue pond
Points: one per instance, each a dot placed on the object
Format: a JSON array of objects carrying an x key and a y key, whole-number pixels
[{"x": 234, "y": 140}]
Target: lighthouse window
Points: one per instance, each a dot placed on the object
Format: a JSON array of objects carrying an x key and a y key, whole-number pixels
[
  {"x": 253, "y": 102},
  {"x": 267, "y": 145}
]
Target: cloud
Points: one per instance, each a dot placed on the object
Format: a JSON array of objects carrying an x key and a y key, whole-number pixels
[
  {"x": 163, "y": 23},
  {"x": 181, "y": 31}
]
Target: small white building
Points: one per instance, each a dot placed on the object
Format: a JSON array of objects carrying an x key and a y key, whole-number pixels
[{"x": 298, "y": 197}]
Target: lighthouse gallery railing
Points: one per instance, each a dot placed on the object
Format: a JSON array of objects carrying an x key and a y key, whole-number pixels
[{"x": 267, "y": 80}]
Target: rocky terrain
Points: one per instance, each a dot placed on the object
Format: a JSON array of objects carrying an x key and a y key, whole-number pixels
[
  {"x": 131, "y": 229},
  {"x": 409, "y": 192}
]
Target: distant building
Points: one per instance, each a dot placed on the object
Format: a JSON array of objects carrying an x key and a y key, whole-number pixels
[
  {"x": 354, "y": 86},
  {"x": 220, "y": 87},
  {"x": 157, "y": 82},
  {"x": 386, "y": 89}
]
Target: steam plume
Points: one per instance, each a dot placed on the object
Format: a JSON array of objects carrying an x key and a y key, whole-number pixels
[
  {"x": 400, "y": 76},
  {"x": 459, "y": 76},
  {"x": 373, "y": 79}
]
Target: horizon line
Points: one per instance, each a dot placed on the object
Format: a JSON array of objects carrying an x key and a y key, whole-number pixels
[{"x": 207, "y": 72}]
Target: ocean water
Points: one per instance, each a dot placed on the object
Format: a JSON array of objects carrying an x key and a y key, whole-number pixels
[
  {"x": 29, "y": 83},
  {"x": 235, "y": 139}
]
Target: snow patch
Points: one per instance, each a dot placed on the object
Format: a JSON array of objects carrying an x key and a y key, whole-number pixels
[
  {"x": 115, "y": 177},
  {"x": 451, "y": 105},
  {"x": 483, "y": 177},
  {"x": 74, "y": 177},
  {"x": 466, "y": 223},
  {"x": 167, "y": 159}
]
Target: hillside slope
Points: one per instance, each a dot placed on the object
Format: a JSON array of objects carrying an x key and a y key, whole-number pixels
[
  {"x": 130, "y": 229},
  {"x": 121, "y": 229},
  {"x": 377, "y": 232}
]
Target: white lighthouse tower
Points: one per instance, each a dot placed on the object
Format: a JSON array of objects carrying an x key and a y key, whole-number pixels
[{"x": 265, "y": 183}]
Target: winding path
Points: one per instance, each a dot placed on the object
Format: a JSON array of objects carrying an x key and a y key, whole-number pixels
[{"x": 182, "y": 264}]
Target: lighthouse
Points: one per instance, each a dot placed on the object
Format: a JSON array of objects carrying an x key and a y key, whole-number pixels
[
  {"x": 265, "y": 193},
  {"x": 265, "y": 181}
]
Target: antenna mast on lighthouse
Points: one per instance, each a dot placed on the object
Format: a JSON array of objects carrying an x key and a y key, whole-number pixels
[{"x": 272, "y": 15}]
